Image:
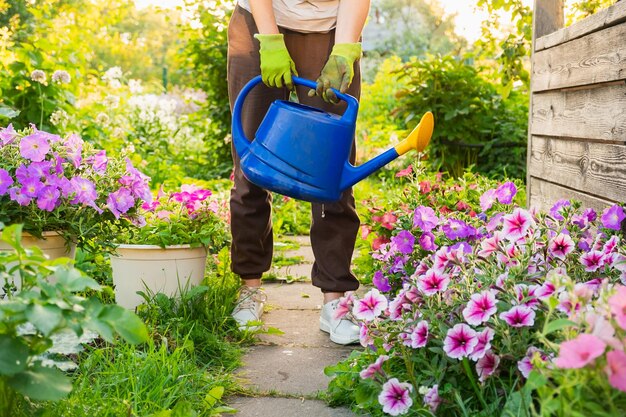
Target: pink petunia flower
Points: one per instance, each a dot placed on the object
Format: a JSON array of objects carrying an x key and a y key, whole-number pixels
[
  {"x": 427, "y": 241},
  {"x": 592, "y": 260},
  {"x": 374, "y": 368},
  {"x": 425, "y": 218},
  {"x": 517, "y": 224},
  {"x": 616, "y": 369},
  {"x": 579, "y": 352},
  {"x": 5, "y": 181},
  {"x": 35, "y": 146},
  {"x": 519, "y": 316},
  {"x": 365, "y": 338},
  {"x": 387, "y": 220},
  {"x": 487, "y": 365},
  {"x": 460, "y": 341},
  {"x": 404, "y": 242},
  {"x": 419, "y": 336},
  {"x": 617, "y": 302},
  {"x": 120, "y": 201},
  {"x": 396, "y": 397},
  {"x": 432, "y": 399},
  {"x": 561, "y": 246},
  {"x": 433, "y": 281},
  {"x": 344, "y": 305},
  {"x": 484, "y": 343},
  {"x": 7, "y": 135},
  {"x": 370, "y": 306},
  {"x": 490, "y": 245},
  {"x": 487, "y": 199},
  {"x": 480, "y": 308},
  {"x": 403, "y": 173}
]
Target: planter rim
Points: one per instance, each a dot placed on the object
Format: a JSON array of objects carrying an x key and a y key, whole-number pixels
[{"x": 137, "y": 246}]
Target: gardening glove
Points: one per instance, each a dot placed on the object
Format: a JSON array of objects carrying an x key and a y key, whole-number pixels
[
  {"x": 276, "y": 64},
  {"x": 338, "y": 71}
]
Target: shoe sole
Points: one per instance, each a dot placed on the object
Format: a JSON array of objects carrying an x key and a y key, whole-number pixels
[{"x": 325, "y": 327}]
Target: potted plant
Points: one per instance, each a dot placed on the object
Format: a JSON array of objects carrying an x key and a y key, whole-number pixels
[
  {"x": 65, "y": 192},
  {"x": 168, "y": 252}
]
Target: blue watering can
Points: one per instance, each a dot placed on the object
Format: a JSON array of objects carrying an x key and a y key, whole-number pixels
[{"x": 303, "y": 152}]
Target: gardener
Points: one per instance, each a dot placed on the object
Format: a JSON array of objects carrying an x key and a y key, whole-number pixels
[{"x": 319, "y": 40}]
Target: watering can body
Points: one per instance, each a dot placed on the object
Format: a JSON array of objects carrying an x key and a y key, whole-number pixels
[{"x": 301, "y": 151}]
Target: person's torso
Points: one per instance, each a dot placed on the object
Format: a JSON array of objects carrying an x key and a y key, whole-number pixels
[{"x": 303, "y": 15}]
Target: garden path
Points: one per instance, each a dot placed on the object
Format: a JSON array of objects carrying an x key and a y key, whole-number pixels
[{"x": 284, "y": 374}]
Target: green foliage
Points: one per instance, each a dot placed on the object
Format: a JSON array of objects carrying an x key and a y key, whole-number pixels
[
  {"x": 581, "y": 9},
  {"x": 474, "y": 124},
  {"x": 50, "y": 301},
  {"x": 290, "y": 216}
]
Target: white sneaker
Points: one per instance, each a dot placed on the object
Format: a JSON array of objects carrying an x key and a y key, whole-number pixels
[
  {"x": 249, "y": 307},
  {"x": 342, "y": 331}
]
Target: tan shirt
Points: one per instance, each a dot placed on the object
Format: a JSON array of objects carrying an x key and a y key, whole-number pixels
[{"x": 303, "y": 15}]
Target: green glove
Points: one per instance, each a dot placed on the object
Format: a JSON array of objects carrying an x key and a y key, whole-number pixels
[
  {"x": 276, "y": 64},
  {"x": 338, "y": 71}
]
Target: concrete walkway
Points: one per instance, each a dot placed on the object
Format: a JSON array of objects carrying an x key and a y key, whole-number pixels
[{"x": 283, "y": 374}]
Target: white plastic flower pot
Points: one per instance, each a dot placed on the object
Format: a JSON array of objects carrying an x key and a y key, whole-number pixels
[
  {"x": 53, "y": 245},
  {"x": 152, "y": 269}
]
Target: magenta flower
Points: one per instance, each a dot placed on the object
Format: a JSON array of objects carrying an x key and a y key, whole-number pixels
[
  {"x": 404, "y": 242},
  {"x": 365, "y": 338},
  {"x": 490, "y": 245},
  {"x": 432, "y": 399},
  {"x": 7, "y": 135},
  {"x": 592, "y": 260},
  {"x": 517, "y": 224},
  {"x": 120, "y": 201},
  {"x": 433, "y": 281},
  {"x": 396, "y": 397},
  {"x": 484, "y": 343},
  {"x": 370, "y": 306},
  {"x": 506, "y": 192},
  {"x": 616, "y": 369},
  {"x": 374, "y": 368},
  {"x": 480, "y": 308},
  {"x": 487, "y": 199},
  {"x": 425, "y": 218},
  {"x": 579, "y": 352},
  {"x": 381, "y": 282},
  {"x": 610, "y": 245},
  {"x": 519, "y": 316},
  {"x": 487, "y": 365},
  {"x": 561, "y": 246},
  {"x": 48, "y": 198},
  {"x": 617, "y": 302},
  {"x": 31, "y": 187},
  {"x": 5, "y": 181},
  {"x": 427, "y": 241},
  {"x": 458, "y": 229},
  {"x": 419, "y": 336},
  {"x": 460, "y": 341},
  {"x": 15, "y": 194},
  {"x": 35, "y": 146},
  {"x": 612, "y": 217},
  {"x": 344, "y": 305}
]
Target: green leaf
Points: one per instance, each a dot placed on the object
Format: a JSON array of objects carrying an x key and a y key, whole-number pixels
[
  {"x": 536, "y": 380},
  {"x": 42, "y": 383},
  {"x": 45, "y": 317},
  {"x": 126, "y": 323},
  {"x": 74, "y": 280},
  {"x": 14, "y": 356},
  {"x": 214, "y": 395},
  {"x": 558, "y": 324},
  {"x": 517, "y": 404},
  {"x": 8, "y": 112}
]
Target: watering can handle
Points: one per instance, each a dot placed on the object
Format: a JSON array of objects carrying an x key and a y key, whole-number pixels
[{"x": 349, "y": 116}]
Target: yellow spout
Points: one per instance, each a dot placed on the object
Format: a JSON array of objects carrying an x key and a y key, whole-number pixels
[{"x": 419, "y": 138}]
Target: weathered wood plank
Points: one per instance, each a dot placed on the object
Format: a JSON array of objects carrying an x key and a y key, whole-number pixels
[
  {"x": 596, "y": 58},
  {"x": 548, "y": 17},
  {"x": 592, "y": 168},
  {"x": 597, "y": 113},
  {"x": 545, "y": 194},
  {"x": 604, "y": 18}
]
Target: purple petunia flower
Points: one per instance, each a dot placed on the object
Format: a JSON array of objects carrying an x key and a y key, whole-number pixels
[
  {"x": 48, "y": 198},
  {"x": 487, "y": 365},
  {"x": 31, "y": 187},
  {"x": 612, "y": 217},
  {"x": 519, "y": 316},
  {"x": 381, "y": 282},
  {"x": 5, "y": 181},
  {"x": 404, "y": 242},
  {"x": 15, "y": 194},
  {"x": 506, "y": 192},
  {"x": 84, "y": 191},
  {"x": 487, "y": 199},
  {"x": 99, "y": 162},
  {"x": 427, "y": 241},
  {"x": 35, "y": 146},
  {"x": 460, "y": 341},
  {"x": 425, "y": 218},
  {"x": 74, "y": 148},
  {"x": 419, "y": 336},
  {"x": 557, "y": 208},
  {"x": 396, "y": 397},
  {"x": 7, "y": 135},
  {"x": 433, "y": 281},
  {"x": 120, "y": 201},
  {"x": 458, "y": 229},
  {"x": 480, "y": 308},
  {"x": 525, "y": 364}
]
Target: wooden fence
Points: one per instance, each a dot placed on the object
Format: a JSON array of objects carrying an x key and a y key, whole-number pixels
[{"x": 577, "y": 122}]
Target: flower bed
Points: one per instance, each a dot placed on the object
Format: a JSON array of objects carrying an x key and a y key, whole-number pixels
[{"x": 469, "y": 302}]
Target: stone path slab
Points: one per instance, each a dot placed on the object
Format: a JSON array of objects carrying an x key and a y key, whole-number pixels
[
  {"x": 295, "y": 296},
  {"x": 284, "y": 407},
  {"x": 289, "y": 370},
  {"x": 300, "y": 327}
]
